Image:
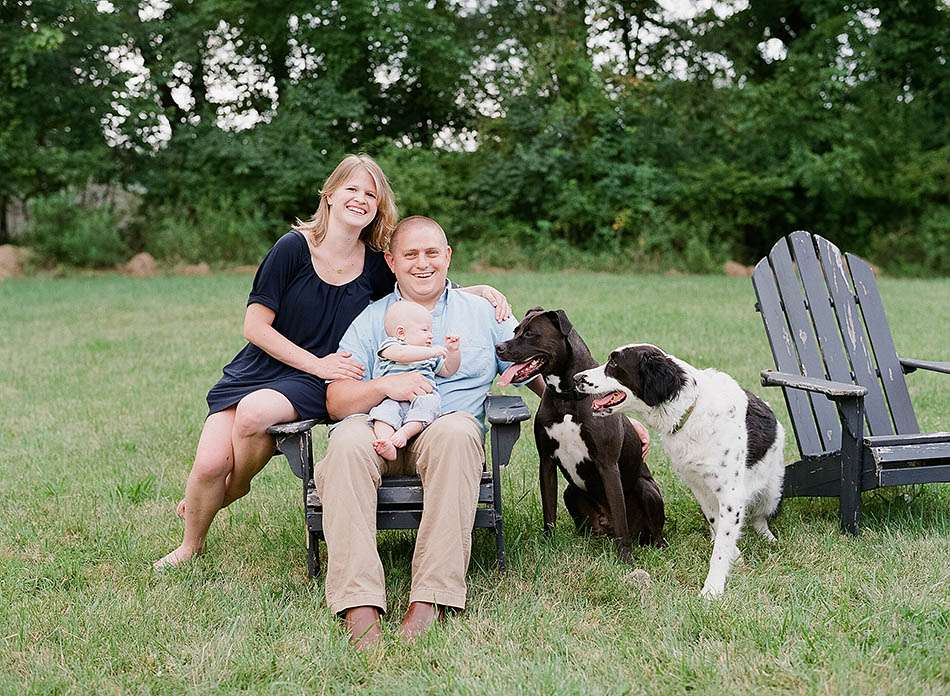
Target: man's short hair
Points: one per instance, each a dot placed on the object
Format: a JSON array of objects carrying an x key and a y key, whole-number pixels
[{"x": 413, "y": 222}]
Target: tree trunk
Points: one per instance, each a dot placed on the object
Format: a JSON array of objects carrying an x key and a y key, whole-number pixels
[{"x": 4, "y": 226}]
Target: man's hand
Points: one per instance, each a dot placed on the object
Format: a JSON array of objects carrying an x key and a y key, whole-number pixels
[
  {"x": 452, "y": 343},
  {"x": 405, "y": 386},
  {"x": 338, "y": 366},
  {"x": 644, "y": 437}
]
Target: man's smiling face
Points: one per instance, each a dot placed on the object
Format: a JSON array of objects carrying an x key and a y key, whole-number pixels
[{"x": 420, "y": 258}]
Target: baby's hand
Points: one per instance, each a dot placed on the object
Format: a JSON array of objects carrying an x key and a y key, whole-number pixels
[
  {"x": 439, "y": 351},
  {"x": 452, "y": 343}
]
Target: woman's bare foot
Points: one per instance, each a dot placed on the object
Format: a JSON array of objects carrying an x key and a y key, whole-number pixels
[
  {"x": 182, "y": 554},
  {"x": 385, "y": 449},
  {"x": 180, "y": 509}
]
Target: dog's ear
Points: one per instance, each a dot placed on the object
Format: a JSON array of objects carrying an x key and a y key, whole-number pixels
[
  {"x": 660, "y": 378},
  {"x": 533, "y": 310},
  {"x": 560, "y": 319}
]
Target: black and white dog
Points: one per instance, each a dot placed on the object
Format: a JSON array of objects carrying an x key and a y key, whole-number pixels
[
  {"x": 723, "y": 441},
  {"x": 609, "y": 487}
]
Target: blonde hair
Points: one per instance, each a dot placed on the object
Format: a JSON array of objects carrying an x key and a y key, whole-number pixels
[
  {"x": 376, "y": 234},
  {"x": 398, "y": 313}
]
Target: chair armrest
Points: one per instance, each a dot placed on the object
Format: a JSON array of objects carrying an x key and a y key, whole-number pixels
[
  {"x": 503, "y": 410},
  {"x": 293, "y": 428},
  {"x": 505, "y": 414},
  {"x": 909, "y": 365},
  {"x": 293, "y": 441},
  {"x": 833, "y": 390}
]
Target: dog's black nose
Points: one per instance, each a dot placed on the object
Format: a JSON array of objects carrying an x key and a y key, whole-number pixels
[
  {"x": 501, "y": 348},
  {"x": 580, "y": 379}
]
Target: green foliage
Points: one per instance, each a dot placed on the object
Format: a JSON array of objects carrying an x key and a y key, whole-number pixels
[
  {"x": 63, "y": 231},
  {"x": 657, "y": 157},
  {"x": 218, "y": 230}
]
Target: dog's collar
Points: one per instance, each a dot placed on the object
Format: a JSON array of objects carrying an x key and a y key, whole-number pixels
[{"x": 682, "y": 421}]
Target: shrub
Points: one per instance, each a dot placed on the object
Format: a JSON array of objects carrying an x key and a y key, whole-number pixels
[
  {"x": 919, "y": 252},
  {"x": 215, "y": 230},
  {"x": 61, "y": 231}
]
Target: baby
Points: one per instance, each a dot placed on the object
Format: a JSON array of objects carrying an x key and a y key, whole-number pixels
[{"x": 409, "y": 348}]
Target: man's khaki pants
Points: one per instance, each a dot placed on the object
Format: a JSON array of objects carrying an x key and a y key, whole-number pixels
[{"x": 448, "y": 457}]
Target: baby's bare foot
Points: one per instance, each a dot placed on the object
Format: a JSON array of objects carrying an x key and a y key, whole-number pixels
[
  {"x": 398, "y": 440},
  {"x": 182, "y": 554},
  {"x": 385, "y": 449}
]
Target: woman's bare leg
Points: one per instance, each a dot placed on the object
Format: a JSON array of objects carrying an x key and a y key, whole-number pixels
[
  {"x": 251, "y": 444},
  {"x": 234, "y": 446},
  {"x": 204, "y": 491}
]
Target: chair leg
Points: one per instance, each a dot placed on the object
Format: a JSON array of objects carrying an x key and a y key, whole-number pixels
[
  {"x": 313, "y": 554},
  {"x": 500, "y": 543},
  {"x": 850, "y": 508},
  {"x": 852, "y": 449}
]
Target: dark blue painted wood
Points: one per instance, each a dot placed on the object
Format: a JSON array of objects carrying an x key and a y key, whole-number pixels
[
  {"x": 852, "y": 333},
  {"x": 888, "y": 364},
  {"x": 785, "y": 354}
]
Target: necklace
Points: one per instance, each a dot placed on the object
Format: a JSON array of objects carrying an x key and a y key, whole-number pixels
[{"x": 346, "y": 264}]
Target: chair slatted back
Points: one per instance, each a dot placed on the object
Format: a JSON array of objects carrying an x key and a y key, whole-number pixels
[
  {"x": 818, "y": 327},
  {"x": 786, "y": 315},
  {"x": 889, "y": 367},
  {"x": 850, "y": 322}
]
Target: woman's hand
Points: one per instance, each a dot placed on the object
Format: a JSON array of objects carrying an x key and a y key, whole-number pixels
[
  {"x": 498, "y": 301},
  {"x": 338, "y": 366}
]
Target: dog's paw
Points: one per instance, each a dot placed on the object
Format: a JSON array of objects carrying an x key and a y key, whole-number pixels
[
  {"x": 626, "y": 555},
  {"x": 712, "y": 590}
]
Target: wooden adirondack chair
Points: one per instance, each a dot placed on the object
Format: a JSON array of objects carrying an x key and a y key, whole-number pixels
[
  {"x": 843, "y": 380},
  {"x": 399, "y": 504}
]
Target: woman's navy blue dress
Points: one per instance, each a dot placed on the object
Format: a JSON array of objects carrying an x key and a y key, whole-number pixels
[{"x": 309, "y": 312}]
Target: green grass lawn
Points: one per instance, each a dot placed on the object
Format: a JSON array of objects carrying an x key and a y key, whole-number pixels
[{"x": 102, "y": 385}]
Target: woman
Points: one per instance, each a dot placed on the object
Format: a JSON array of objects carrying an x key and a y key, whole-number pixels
[{"x": 312, "y": 283}]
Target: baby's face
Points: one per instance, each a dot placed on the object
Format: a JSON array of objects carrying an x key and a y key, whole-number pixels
[{"x": 418, "y": 332}]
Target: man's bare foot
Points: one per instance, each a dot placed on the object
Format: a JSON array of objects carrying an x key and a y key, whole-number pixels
[
  {"x": 182, "y": 554},
  {"x": 385, "y": 449},
  {"x": 180, "y": 509},
  {"x": 419, "y": 618},
  {"x": 362, "y": 625}
]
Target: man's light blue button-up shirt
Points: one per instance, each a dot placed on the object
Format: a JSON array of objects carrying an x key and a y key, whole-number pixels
[{"x": 457, "y": 313}]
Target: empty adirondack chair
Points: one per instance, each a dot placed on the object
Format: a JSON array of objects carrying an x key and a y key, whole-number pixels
[{"x": 842, "y": 378}]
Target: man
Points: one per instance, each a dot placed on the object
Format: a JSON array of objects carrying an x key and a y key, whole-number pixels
[{"x": 448, "y": 455}]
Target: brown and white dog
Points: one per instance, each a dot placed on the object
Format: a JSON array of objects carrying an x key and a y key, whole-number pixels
[
  {"x": 723, "y": 442},
  {"x": 609, "y": 487}
]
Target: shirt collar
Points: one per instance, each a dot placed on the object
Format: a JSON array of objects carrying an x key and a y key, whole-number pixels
[{"x": 439, "y": 305}]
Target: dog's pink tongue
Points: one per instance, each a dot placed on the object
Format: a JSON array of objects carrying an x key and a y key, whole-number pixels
[{"x": 508, "y": 375}]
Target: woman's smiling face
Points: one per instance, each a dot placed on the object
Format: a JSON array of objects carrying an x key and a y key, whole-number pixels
[{"x": 354, "y": 203}]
